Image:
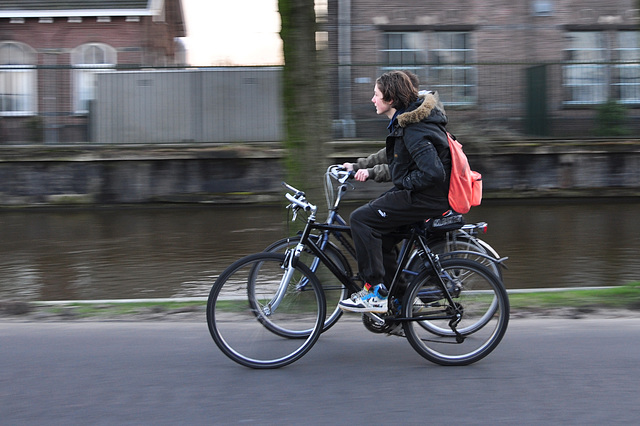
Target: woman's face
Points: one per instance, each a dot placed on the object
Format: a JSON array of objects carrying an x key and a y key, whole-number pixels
[{"x": 382, "y": 107}]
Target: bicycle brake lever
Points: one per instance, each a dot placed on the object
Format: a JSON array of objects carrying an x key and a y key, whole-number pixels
[
  {"x": 346, "y": 175},
  {"x": 340, "y": 174},
  {"x": 294, "y": 211}
]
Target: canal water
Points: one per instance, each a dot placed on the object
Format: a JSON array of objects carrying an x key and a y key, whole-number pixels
[{"x": 166, "y": 252}]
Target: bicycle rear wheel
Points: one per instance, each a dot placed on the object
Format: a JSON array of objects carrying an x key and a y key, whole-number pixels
[
  {"x": 466, "y": 248},
  {"x": 477, "y": 293},
  {"x": 257, "y": 297}
]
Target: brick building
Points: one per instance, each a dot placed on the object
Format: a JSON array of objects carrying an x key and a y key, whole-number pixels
[
  {"x": 540, "y": 67},
  {"x": 49, "y": 51}
]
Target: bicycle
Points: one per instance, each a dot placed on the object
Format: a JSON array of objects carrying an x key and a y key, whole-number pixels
[
  {"x": 455, "y": 311},
  {"x": 444, "y": 234}
]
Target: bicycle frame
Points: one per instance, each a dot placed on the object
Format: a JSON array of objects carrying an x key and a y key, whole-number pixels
[
  {"x": 318, "y": 251},
  {"x": 415, "y": 238},
  {"x": 416, "y": 243}
]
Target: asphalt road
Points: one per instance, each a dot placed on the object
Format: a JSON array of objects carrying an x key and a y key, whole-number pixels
[{"x": 546, "y": 371}]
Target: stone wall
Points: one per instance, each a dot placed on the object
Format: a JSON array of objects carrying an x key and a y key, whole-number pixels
[
  {"x": 233, "y": 173},
  {"x": 132, "y": 175}
]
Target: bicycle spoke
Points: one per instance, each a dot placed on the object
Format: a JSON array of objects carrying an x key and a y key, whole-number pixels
[
  {"x": 261, "y": 320},
  {"x": 478, "y": 297}
]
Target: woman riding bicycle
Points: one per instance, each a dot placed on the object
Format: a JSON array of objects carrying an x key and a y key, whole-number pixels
[{"x": 419, "y": 164}]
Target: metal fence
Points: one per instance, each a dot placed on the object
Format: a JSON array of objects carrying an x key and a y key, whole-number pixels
[
  {"x": 243, "y": 104},
  {"x": 141, "y": 105},
  {"x": 550, "y": 100}
]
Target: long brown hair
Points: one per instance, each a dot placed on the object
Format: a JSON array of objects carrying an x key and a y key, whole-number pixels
[{"x": 396, "y": 87}]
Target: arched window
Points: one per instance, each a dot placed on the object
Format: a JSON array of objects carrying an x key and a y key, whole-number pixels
[
  {"x": 17, "y": 79},
  {"x": 87, "y": 59}
]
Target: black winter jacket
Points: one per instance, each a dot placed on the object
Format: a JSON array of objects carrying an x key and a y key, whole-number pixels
[{"x": 418, "y": 150}]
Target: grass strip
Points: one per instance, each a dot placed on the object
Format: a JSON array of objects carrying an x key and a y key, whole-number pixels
[
  {"x": 623, "y": 297},
  {"x": 113, "y": 309}
]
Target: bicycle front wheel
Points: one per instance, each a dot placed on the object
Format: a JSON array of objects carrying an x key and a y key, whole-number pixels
[
  {"x": 255, "y": 298},
  {"x": 478, "y": 295}
]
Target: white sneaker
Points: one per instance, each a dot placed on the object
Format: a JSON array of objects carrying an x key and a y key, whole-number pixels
[{"x": 367, "y": 301}]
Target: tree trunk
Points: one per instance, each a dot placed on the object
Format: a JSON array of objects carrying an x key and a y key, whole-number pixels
[{"x": 304, "y": 91}]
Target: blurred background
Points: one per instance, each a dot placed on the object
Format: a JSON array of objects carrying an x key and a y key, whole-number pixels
[
  {"x": 107, "y": 110},
  {"x": 134, "y": 72}
]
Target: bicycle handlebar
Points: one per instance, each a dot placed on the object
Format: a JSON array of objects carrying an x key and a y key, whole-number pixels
[
  {"x": 340, "y": 174},
  {"x": 291, "y": 188},
  {"x": 298, "y": 200},
  {"x": 301, "y": 202}
]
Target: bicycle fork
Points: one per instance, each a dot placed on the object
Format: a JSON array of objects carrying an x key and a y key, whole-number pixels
[{"x": 288, "y": 265}]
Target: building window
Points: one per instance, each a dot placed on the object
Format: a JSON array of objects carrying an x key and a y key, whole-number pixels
[
  {"x": 88, "y": 59},
  {"x": 404, "y": 50},
  {"x": 596, "y": 73},
  {"x": 17, "y": 79},
  {"x": 585, "y": 78},
  {"x": 442, "y": 60},
  {"x": 627, "y": 71},
  {"x": 453, "y": 74}
]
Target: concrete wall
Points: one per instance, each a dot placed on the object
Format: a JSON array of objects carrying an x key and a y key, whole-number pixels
[
  {"x": 253, "y": 173},
  {"x": 115, "y": 175},
  {"x": 533, "y": 169}
]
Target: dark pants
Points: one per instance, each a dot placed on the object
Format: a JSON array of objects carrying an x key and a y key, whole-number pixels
[{"x": 372, "y": 224}]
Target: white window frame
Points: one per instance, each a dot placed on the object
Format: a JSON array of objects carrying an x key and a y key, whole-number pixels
[
  {"x": 600, "y": 73},
  {"x": 18, "y": 82},
  {"x": 628, "y": 70},
  {"x": 414, "y": 44},
  {"x": 413, "y": 54},
  {"x": 586, "y": 81},
  {"x": 84, "y": 73},
  {"x": 463, "y": 76}
]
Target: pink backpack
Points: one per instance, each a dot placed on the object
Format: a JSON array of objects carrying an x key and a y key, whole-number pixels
[{"x": 465, "y": 187}]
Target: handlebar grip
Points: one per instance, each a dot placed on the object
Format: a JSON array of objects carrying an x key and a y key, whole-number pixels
[
  {"x": 302, "y": 204},
  {"x": 291, "y": 188}
]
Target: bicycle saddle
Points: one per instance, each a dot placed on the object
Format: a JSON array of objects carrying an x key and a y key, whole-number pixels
[{"x": 448, "y": 221}]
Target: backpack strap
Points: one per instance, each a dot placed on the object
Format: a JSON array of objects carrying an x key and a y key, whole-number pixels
[{"x": 446, "y": 132}]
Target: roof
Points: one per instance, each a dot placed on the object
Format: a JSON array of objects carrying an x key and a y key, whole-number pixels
[
  {"x": 53, "y": 8},
  {"x": 87, "y": 8}
]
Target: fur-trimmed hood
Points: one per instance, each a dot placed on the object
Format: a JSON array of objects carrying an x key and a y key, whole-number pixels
[{"x": 427, "y": 103}]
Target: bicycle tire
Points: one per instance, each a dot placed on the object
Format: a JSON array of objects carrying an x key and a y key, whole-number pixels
[
  {"x": 466, "y": 246},
  {"x": 476, "y": 287},
  {"x": 242, "y": 302},
  {"x": 334, "y": 290}
]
